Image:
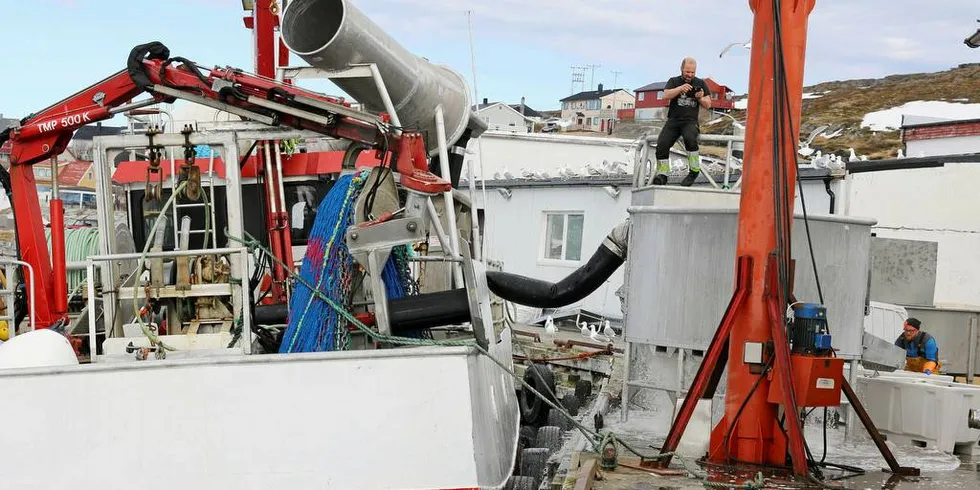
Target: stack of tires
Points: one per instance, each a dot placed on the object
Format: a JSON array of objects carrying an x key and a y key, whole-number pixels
[{"x": 542, "y": 427}]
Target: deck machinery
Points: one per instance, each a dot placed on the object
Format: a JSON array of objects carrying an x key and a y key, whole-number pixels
[{"x": 777, "y": 350}]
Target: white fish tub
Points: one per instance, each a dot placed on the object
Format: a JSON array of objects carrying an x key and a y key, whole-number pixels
[
  {"x": 428, "y": 417},
  {"x": 923, "y": 411}
]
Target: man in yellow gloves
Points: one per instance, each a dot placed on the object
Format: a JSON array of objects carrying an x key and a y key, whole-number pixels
[{"x": 921, "y": 349}]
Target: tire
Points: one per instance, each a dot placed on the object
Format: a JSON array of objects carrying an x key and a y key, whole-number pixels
[
  {"x": 571, "y": 403},
  {"x": 583, "y": 389},
  {"x": 532, "y": 463},
  {"x": 520, "y": 483},
  {"x": 534, "y": 411},
  {"x": 549, "y": 437},
  {"x": 558, "y": 419},
  {"x": 528, "y": 435}
]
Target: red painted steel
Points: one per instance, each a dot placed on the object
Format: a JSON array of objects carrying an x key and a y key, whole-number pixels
[
  {"x": 59, "y": 266},
  {"x": 48, "y": 132},
  {"x": 816, "y": 381}
]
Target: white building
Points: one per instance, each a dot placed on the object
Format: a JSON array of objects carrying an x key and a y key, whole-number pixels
[
  {"x": 931, "y": 136},
  {"x": 931, "y": 200},
  {"x": 502, "y": 117},
  {"x": 545, "y": 229}
]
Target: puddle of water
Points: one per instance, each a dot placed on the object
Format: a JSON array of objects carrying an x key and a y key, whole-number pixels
[{"x": 939, "y": 470}]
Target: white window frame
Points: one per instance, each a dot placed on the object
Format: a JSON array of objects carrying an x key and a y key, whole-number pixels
[{"x": 543, "y": 248}]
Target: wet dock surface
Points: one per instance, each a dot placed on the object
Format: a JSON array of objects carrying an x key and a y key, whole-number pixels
[
  {"x": 645, "y": 430},
  {"x": 939, "y": 470}
]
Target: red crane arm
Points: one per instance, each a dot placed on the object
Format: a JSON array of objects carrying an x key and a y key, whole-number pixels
[{"x": 46, "y": 134}]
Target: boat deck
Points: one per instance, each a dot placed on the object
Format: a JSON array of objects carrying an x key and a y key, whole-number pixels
[{"x": 645, "y": 430}]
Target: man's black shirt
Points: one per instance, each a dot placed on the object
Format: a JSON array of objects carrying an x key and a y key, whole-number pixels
[{"x": 684, "y": 107}]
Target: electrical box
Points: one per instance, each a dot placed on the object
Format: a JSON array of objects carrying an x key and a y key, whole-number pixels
[
  {"x": 752, "y": 353},
  {"x": 816, "y": 381}
]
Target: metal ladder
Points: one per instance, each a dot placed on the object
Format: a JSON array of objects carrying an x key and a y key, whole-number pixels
[{"x": 208, "y": 192}]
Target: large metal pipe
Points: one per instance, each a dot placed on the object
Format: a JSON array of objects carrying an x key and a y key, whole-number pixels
[{"x": 333, "y": 35}]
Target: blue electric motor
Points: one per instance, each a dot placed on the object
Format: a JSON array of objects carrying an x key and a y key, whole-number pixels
[{"x": 808, "y": 333}]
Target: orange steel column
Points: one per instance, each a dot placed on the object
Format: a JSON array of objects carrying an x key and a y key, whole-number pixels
[{"x": 756, "y": 437}]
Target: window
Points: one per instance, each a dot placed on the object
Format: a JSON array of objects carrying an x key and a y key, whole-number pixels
[
  {"x": 640, "y": 97},
  {"x": 301, "y": 200},
  {"x": 660, "y": 95},
  {"x": 563, "y": 236},
  {"x": 714, "y": 95}
]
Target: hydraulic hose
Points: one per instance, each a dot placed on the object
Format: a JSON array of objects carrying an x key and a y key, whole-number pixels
[{"x": 574, "y": 287}]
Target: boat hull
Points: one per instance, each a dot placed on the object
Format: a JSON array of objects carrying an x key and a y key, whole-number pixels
[{"x": 428, "y": 417}]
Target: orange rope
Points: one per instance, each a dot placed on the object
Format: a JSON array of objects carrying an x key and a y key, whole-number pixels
[{"x": 579, "y": 356}]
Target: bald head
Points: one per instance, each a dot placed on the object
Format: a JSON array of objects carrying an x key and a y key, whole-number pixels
[{"x": 688, "y": 68}]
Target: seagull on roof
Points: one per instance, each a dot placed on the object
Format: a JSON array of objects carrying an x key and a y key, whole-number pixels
[
  {"x": 596, "y": 336},
  {"x": 608, "y": 331},
  {"x": 549, "y": 326}
]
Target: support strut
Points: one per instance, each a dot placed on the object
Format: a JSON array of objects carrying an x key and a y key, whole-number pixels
[{"x": 711, "y": 368}]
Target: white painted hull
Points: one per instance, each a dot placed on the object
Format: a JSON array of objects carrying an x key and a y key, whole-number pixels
[{"x": 434, "y": 417}]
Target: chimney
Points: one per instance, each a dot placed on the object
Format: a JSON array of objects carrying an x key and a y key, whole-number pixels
[
  {"x": 485, "y": 102},
  {"x": 600, "y": 87},
  {"x": 522, "y": 106}
]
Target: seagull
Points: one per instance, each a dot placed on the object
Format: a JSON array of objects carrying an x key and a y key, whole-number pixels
[
  {"x": 595, "y": 335},
  {"x": 617, "y": 168},
  {"x": 584, "y": 329},
  {"x": 746, "y": 45},
  {"x": 608, "y": 331},
  {"x": 853, "y": 157},
  {"x": 549, "y": 326},
  {"x": 901, "y": 154},
  {"x": 527, "y": 173},
  {"x": 497, "y": 176}
]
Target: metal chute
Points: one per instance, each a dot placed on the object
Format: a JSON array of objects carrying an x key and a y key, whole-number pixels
[{"x": 333, "y": 35}]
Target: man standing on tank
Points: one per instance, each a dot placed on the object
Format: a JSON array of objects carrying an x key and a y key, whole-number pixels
[{"x": 687, "y": 94}]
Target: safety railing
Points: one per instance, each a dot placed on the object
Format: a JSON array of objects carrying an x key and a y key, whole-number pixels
[{"x": 645, "y": 167}]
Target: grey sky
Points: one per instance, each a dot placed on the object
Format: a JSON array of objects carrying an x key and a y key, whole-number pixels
[{"x": 645, "y": 39}]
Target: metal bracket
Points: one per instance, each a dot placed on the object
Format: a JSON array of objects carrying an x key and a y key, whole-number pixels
[
  {"x": 478, "y": 293},
  {"x": 371, "y": 245},
  {"x": 364, "y": 239}
]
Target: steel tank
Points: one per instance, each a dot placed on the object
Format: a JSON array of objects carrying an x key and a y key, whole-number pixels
[{"x": 332, "y": 35}]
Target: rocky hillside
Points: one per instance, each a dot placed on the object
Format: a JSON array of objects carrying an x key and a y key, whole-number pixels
[{"x": 840, "y": 106}]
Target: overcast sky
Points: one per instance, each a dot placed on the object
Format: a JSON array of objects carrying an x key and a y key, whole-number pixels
[{"x": 54, "y": 48}]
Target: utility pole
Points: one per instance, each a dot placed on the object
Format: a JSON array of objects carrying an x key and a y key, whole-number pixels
[
  {"x": 615, "y": 117},
  {"x": 578, "y": 76},
  {"x": 592, "y": 78},
  {"x": 469, "y": 26}
]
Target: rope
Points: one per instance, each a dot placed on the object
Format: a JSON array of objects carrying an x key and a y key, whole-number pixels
[
  {"x": 579, "y": 356},
  {"x": 154, "y": 340}
]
